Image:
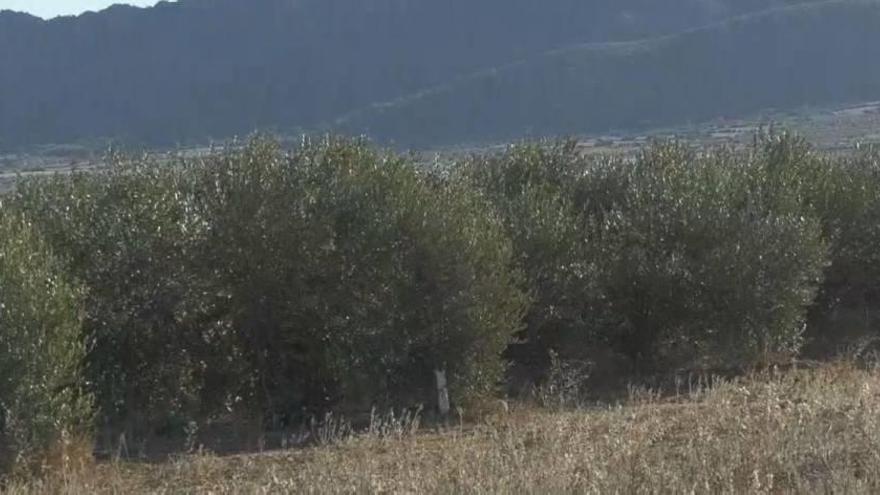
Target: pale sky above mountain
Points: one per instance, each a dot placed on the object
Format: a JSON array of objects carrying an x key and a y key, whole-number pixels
[{"x": 48, "y": 9}]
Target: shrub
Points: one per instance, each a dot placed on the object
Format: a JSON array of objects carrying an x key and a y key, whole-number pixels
[
  {"x": 42, "y": 402},
  {"x": 267, "y": 283},
  {"x": 704, "y": 260},
  {"x": 532, "y": 187},
  {"x": 845, "y": 196},
  {"x": 843, "y": 193},
  {"x": 350, "y": 277},
  {"x": 129, "y": 233},
  {"x": 849, "y": 208},
  {"x": 672, "y": 258}
]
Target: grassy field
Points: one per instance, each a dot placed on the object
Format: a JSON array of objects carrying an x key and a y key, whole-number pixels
[{"x": 800, "y": 431}]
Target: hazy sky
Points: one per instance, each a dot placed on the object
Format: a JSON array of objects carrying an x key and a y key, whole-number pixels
[{"x": 48, "y": 9}]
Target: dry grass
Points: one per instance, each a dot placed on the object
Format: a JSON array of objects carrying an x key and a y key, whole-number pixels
[{"x": 805, "y": 431}]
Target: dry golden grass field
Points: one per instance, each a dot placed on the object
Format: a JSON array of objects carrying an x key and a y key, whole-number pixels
[{"x": 804, "y": 431}]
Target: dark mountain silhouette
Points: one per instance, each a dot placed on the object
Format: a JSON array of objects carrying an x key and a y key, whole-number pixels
[
  {"x": 824, "y": 53},
  {"x": 193, "y": 70}
]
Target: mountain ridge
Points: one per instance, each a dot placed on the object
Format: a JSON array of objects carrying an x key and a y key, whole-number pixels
[
  {"x": 196, "y": 70},
  {"x": 624, "y": 49}
]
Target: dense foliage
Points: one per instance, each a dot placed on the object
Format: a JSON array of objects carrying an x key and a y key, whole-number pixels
[
  {"x": 533, "y": 188},
  {"x": 42, "y": 399},
  {"x": 702, "y": 260},
  {"x": 844, "y": 195},
  {"x": 265, "y": 284},
  {"x": 671, "y": 258},
  {"x": 350, "y": 277},
  {"x": 275, "y": 284},
  {"x": 128, "y": 234}
]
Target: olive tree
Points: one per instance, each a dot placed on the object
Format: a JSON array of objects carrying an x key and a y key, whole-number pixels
[{"x": 42, "y": 399}]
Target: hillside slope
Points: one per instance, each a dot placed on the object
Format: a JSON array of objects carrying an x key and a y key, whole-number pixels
[
  {"x": 815, "y": 54},
  {"x": 195, "y": 69}
]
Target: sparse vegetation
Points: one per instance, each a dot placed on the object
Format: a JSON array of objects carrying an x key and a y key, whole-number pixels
[{"x": 802, "y": 432}]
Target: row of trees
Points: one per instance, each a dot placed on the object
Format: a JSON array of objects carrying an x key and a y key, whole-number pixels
[{"x": 268, "y": 284}]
